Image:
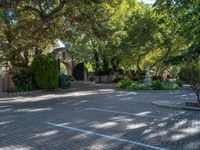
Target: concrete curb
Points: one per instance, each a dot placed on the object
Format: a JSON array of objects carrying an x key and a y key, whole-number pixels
[
  {"x": 175, "y": 105},
  {"x": 21, "y": 93}
]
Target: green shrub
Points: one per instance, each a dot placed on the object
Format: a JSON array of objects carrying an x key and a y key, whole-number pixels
[
  {"x": 15, "y": 90},
  {"x": 65, "y": 83},
  {"x": 23, "y": 81},
  {"x": 70, "y": 78},
  {"x": 102, "y": 72},
  {"x": 124, "y": 84},
  {"x": 120, "y": 71},
  {"x": 156, "y": 85},
  {"x": 170, "y": 86},
  {"x": 91, "y": 79},
  {"x": 45, "y": 70},
  {"x": 179, "y": 83},
  {"x": 164, "y": 85},
  {"x": 139, "y": 86},
  {"x": 155, "y": 77},
  {"x": 132, "y": 73},
  {"x": 99, "y": 72}
]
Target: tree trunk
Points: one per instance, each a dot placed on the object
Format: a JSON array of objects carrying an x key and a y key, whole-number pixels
[
  {"x": 198, "y": 97},
  {"x": 37, "y": 51},
  {"x": 26, "y": 58}
]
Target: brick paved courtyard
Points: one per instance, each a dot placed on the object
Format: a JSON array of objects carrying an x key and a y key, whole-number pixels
[{"x": 90, "y": 116}]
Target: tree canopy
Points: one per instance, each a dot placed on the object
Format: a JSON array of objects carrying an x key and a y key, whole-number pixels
[{"x": 105, "y": 34}]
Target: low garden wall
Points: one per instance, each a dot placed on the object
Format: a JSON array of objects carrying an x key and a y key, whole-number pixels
[
  {"x": 6, "y": 82},
  {"x": 104, "y": 78}
]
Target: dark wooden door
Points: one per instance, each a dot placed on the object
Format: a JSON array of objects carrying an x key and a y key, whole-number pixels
[{"x": 78, "y": 72}]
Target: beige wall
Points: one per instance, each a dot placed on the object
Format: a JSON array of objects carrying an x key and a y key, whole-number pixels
[
  {"x": 6, "y": 82},
  {"x": 67, "y": 59}
]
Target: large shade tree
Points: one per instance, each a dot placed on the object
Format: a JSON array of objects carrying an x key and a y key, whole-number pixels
[
  {"x": 133, "y": 33},
  {"x": 185, "y": 16},
  {"x": 34, "y": 25}
]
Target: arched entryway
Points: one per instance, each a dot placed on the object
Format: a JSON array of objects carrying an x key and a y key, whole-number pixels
[
  {"x": 65, "y": 57},
  {"x": 66, "y": 69}
]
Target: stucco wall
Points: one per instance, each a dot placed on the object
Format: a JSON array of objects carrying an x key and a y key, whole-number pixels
[{"x": 6, "y": 82}]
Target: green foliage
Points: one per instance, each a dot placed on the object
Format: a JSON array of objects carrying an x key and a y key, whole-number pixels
[
  {"x": 107, "y": 71},
  {"x": 107, "y": 34},
  {"x": 116, "y": 80},
  {"x": 70, "y": 78},
  {"x": 157, "y": 85},
  {"x": 170, "y": 86},
  {"x": 179, "y": 83},
  {"x": 43, "y": 22},
  {"x": 142, "y": 38},
  {"x": 139, "y": 86},
  {"x": 128, "y": 84},
  {"x": 23, "y": 80},
  {"x": 63, "y": 69},
  {"x": 186, "y": 26},
  {"x": 191, "y": 75},
  {"x": 15, "y": 90},
  {"x": 65, "y": 83},
  {"x": 154, "y": 77},
  {"x": 124, "y": 83},
  {"x": 45, "y": 70},
  {"x": 164, "y": 85},
  {"x": 120, "y": 71},
  {"x": 115, "y": 64},
  {"x": 99, "y": 71},
  {"x": 105, "y": 65},
  {"x": 92, "y": 79}
]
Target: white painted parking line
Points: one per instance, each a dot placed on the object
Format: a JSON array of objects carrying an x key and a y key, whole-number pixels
[
  {"x": 106, "y": 136},
  {"x": 131, "y": 114}
]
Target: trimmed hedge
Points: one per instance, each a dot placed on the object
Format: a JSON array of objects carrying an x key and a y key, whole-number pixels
[
  {"x": 45, "y": 70},
  {"x": 156, "y": 85}
]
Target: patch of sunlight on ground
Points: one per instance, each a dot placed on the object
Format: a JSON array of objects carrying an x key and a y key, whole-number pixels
[
  {"x": 147, "y": 131},
  {"x": 179, "y": 124},
  {"x": 106, "y": 90},
  {"x": 105, "y": 125},
  {"x": 194, "y": 128},
  {"x": 143, "y": 113},
  {"x": 33, "y": 110},
  {"x": 122, "y": 119},
  {"x": 5, "y": 122},
  {"x": 162, "y": 124},
  {"x": 126, "y": 98},
  {"x": 136, "y": 126},
  {"x": 17, "y": 147},
  {"x": 48, "y": 133},
  {"x": 80, "y": 136},
  {"x": 153, "y": 135},
  {"x": 51, "y": 96}
]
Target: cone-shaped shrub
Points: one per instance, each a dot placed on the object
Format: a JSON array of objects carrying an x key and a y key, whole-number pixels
[{"x": 45, "y": 70}]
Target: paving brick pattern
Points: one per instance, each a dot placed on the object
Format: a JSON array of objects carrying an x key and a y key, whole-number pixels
[{"x": 99, "y": 109}]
